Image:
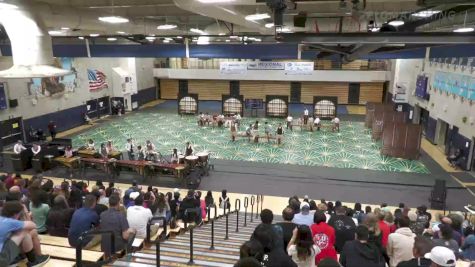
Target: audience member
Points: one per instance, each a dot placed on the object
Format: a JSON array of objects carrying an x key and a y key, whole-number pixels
[
  {"x": 103, "y": 199},
  {"x": 84, "y": 219},
  {"x": 360, "y": 252},
  {"x": 344, "y": 227},
  {"x": 209, "y": 200},
  {"x": 441, "y": 257},
  {"x": 304, "y": 217},
  {"x": 323, "y": 237},
  {"x": 266, "y": 218},
  {"x": 301, "y": 247},
  {"x": 202, "y": 205},
  {"x": 247, "y": 262},
  {"x": 358, "y": 213},
  {"x": 421, "y": 246},
  {"x": 375, "y": 235},
  {"x": 175, "y": 204},
  {"x": 163, "y": 208},
  {"x": 110, "y": 189},
  {"x": 251, "y": 248},
  {"x": 190, "y": 210},
  {"x": 39, "y": 210},
  {"x": 138, "y": 216},
  {"x": 274, "y": 256},
  {"x": 18, "y": 236},
  {"x": 400, "y": 243},
  {"x": 327, "y": 262},
  {"x": 383, "y": 227},
  {"x": 445, "y": 238},
  {"x": 287, "y": 225},
  {"x": 59, "y": 217}
]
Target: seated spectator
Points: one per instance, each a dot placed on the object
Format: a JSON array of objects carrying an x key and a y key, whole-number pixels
[
  {"x": 358, "y": 213},
  {"x": 175, "y": 204},
  {"x": 287, "y": 225},
  {"x": 163, "y": 208},
  {"x": 224, "y": 202},
  {"x": 273, "y": 256},
  {"x": 383, "y": 227},
  {"x": 138, "y": 216},
  {"x": 323, "y": 237},
  {"x": 100, "y": 208},
  {"x": 113, "y": 220},
  {"x": 328, "y": 263},
  {"x": 375, "y": 235},
  {"x": 59, "y": 217},
  {"x": 110, "y": 189},
  {"x": 304, "y": 217},
  {"x": 251, "y": 248},
  {"x": 445, "y": 238},
  {"x": 84, "y": 219},
  {"x": 294, "y": 203},
  {"x": 202, "y": 205},
  {"x": 189, "y": 210},
  {"x": 266, "y": 218},
  {"x": 468, "y": 248},
  {"x": 360, "y": 252},
  {"x": 344, "y": 227},
  {"x": 421, "y": 246},
  {"x": 18, "y": 236},
  {"x": 400, "y": 243},
  {"x": 456, "y": 235},
  {"x": 103, "y": 199},
  {"x": 301, "y": 247},
  {"x": 39, "y": 210},
  {"x": 247, "y": 262},
  {"x": 441, "y": 257},
  {"x": 209, "y": 200}
]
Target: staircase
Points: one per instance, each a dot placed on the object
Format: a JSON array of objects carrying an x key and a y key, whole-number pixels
[{"x": 175, "y": 251}]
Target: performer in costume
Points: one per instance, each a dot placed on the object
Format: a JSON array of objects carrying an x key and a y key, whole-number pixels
[
  {"x": 317, "y": 123},
  {"x": 18, "y": 147},
  {"x": 233, "y": 129},
  {"x": 289, "y": 122},
  {"x": 130, "y": 148},
  {"x": 174, "y": 157},
  {"x": 249, "y": 132},
  {"x": 90, "y": 144},
  {"x": 141, "y": 154},
  {"x": 305, "y": 116},
  {"x": 103, "y": 151},
  {"x": 279, "y": 134},
  {"x": 267, "y": 131},
  {"x": 188, "y": 149},
  {"x": 36, "y": 149},
  {"x": 109, "y": 147},
  {"x": 336, "y": 124},
  {"x": 68, "y": 152}
]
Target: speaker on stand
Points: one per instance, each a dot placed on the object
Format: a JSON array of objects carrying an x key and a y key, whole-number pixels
[{"x": 438, "y": 196}]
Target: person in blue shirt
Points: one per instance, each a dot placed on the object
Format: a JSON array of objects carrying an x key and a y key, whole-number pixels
[
  {"x": 84, "y": 219},
  {"x": 18, "y": 237}
]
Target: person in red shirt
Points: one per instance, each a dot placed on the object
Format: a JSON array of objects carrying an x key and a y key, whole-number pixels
[
  {"x": 384, "y": 227},
  {"x": 323, "y": 236}
]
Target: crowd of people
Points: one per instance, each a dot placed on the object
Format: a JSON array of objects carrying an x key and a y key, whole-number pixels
[
  {"x": 34, "y": 207},
  {"x": 329, "y": 234}
]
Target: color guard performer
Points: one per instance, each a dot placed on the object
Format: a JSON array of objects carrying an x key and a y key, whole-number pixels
[
  {"x": 289, "y": 122},
  {"x": 109, "y": 147},
  {"x": 233, "y": 129},
  {"x": 174, "y": 156},
  {"x": 103, "y": 151},
  {"x": 141, "y": 153},
  {"x": 188, "y": 149},
  {"x": 18, "y": 147},
  {"x": 336, "y": 124},
  {"x": 305, "y": 116},
  {"x": 150, "y": 151},
  {"x": 267, "y": 131},
  {"x": 317, "y": 123},
  {"x": 310, "y": 123},
  {"x": 249, "y": 132},
  {"x": 130, "y": 149},
  {"x": 279, "y": 134}
]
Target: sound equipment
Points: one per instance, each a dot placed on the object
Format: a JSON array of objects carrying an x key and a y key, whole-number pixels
[
  {"x": 300, "y": 20},
  {"x": 438, "y": 195},
  {"x": 12, "y": 103}
]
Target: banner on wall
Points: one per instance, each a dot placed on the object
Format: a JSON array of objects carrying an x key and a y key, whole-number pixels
[
  {"x": 97, "y": 80},
  {"x": 232, "y": 67},
  {"x": 265, "y": 65},
  {"x": 452, "y": 83},
  {"x": 299, "y": 68},
  {"x": 55, "y": 86},
  {"x": 3, "y": 97}
]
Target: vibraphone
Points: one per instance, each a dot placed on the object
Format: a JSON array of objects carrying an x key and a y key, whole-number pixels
[
  {"x": 104, "y": 164},
  {"x": 87, "y": 153},
  {"x": 71, "y": 163}
]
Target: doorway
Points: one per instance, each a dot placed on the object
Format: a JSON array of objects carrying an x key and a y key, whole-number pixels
[
  {"x": 441, "y": 135},
  {"x": 424, "y": 120}
]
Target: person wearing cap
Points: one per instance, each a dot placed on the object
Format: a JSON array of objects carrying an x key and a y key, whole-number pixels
[
  {"x": 441, "y": 257},
  {"x": 422, "y": 245},
  {"x": 304, "y": 217},
  {"x": 360, "y": 252},
  {"x": 344, "y": 227}
]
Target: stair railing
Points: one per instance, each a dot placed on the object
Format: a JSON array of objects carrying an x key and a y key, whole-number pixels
[
  {"x": 258, "y": 199},
  {"x": 212, "y": 222},
  {"x": 82, "y": 242},
  {"x": 253, "y": 200},
  {"x": 188, "y": 213},
  {"x": 262, "y": 201},
  {"x": 237, "y": 206},
  {"x": 226, "y": 214},
  {"x": 158, "y": 239},
  {"x": 246, "y": 204}
]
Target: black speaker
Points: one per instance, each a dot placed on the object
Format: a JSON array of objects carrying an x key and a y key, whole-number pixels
[
  {"x": 13, "y": 103},
  {"x": 300, "y": 20},
  {"x": 438, "y": 195}
]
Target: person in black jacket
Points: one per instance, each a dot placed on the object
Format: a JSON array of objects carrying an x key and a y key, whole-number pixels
[
  {"x": 189, "y": 210},
  {"x": 359, "y": 252},
  {"x": 422, "y": 245},
  {"x": 344, "y": 227},
  {"x": 274, "y": 256}
]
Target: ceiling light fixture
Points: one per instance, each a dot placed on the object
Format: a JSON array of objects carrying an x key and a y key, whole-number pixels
[
  {"x": 114, "y": 19},
  {"x": 179, "y": 37},
  {"x": 396, "y": 23},
  {"x": 94, "y": 34},
  {"x": 284, "y": 29},
  {"x": 111, "y": 39},
  {"x": 120, "y": 32},
  {"x": 215, "y": 1},
  {"x": 269, "y": 25},
  {"x": 54, "y": 32},
  {"x": 166, "y": 27},
  {"x": 65, "y": 28},
  {"x": 233, "y": 36},
  {"x": 166, "y": 41},
  {"x": 227, "y": 40},
  {"x": 221, "y": 33},
  {"x": 6, "y": 6},
  {"x": 203, "y": 40},
  {"x": 464, "y": 29},
  {"x": 81, "y": 37},
  {"x": 426, "y": 13},
  {"x": 257, "y": 16},
  {"x": 168, "y": 38},
  {"x": 197, "y": 31},
  {"x": 150, "y": 38}
]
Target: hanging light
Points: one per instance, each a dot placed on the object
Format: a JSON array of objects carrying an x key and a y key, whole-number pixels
[
  {"x": 396, "y": 23},
  {"x": 114, "y": 19},
  {"x": 111, "y": 39},
  {"x": 6, "y": 6},
  {"x": 94, "y": 34},
  {"x": 166, "y": 27},
  {"x": 195, "y": 30},
  {"x": 257, "y": 16},
  {"x": 464, "y": 28}
]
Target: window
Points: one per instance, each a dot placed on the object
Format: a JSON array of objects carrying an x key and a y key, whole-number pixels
[
  {"x": 325, "y": 108},
  {"x": 232, "y": 106},
  {"x": 277, "y": 107},
  {"x": 188, "y": 105}
]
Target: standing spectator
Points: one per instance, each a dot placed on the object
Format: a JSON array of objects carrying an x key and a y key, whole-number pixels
[
  {"x": 360, "y": 252},
  {"x": 202, "y": 205},
  {"x": 18, "y": 236},
  {"x": 39, "y": 210},
  {"x": 323, "y": 237},
  {"x": 287, "y": 225},
  {"x": 163, "y": 208},
  {"x": 304, "y": 217},
  {"x": 400, "y": 243},
  {"x": 441, "y": 257},
  {"x": 359, "y": 214},
  {"x": 277, "y": 238},
  {"x": 224, "y": 202},
  {"x": 422, "y": 246},
  {"x": 59, "y": 217},
  {"x": 344, "y": 227},
  {"x": 301, "y": 247},
  {"x": 209, "y": 200},
  {"x": 52, "y": 129},
  {"x": 190, "y": 210},
  {"x": 84, "y": 219},
  {"x": 383, "y": 227},
  {"x": 138, "y": 216},
  {"x": 115, "y": 221}
]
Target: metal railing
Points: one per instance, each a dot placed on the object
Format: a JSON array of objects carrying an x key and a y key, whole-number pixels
[
  {"x": 253, "y": 201},
  {"x": 158, "y": 239},
  {"x": 82, "y": 242},
  {"x": 190, "y": 228},
  {"x": 237, "y": 209},
  {"x": 212, "y": 222},
  {"x": 246, "y": 204}
]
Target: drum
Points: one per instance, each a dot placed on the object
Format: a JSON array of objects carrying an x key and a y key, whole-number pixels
[
  {"x": 181, "y": 159},
  {"x": 202, "y": 157},
  {"x": 191, "y": 160}
]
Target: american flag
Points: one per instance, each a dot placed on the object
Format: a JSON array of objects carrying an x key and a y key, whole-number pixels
[{"x": 97, "y": 80}]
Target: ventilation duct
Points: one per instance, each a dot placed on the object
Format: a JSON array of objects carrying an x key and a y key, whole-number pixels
[{"x": 32, "y": 48}]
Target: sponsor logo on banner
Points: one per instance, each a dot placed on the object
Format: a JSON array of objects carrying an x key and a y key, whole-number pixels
[
  {"x": 233, "y": 67},
  {"x": 298, "y": 68},
  {"x": 265, "y": 65}
]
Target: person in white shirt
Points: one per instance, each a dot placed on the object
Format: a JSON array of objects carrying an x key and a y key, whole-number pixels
[
  {"x": 90, "y": 144},
  {"x": 18, "y": 147},
  {"x": 304, "y": 217},
  {"x": 301, "y": 247},
  {"x": 400, "y": 243},
  {"x": 138, "y": 216},
  {"x": 130, "y": 148},
  {"x": 316, "y": 123},
  {"x": 289, "y": 122},
  {"x": 36, "y": 149},
  {"x": 238, "y": 119},
  {"x": 310, "y": 123},
  {"x": 305, "y": 116},
  {"x": 109, "y": 147},
  {"x": 336, "y": 124}
]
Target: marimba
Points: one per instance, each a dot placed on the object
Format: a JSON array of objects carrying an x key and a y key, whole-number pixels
[
  {"x": 87, "y": 153},
  {"x": 71, "y": 163}
]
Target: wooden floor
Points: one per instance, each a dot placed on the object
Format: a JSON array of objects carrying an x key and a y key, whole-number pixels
[{"x": 437, "y": 155}]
